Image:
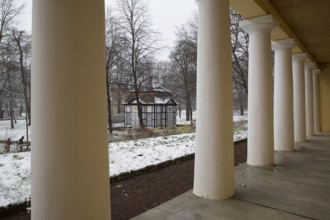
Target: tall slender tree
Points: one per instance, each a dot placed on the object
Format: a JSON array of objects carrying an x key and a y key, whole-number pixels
[
  {"x": 184, "y": 61},
  {"x": 142, "y": 41},
  {"x": 9, "y": 10},
  {"x": 239, "y": 51},
  {"x": 115, "y": 50},
  {"x": 10, "y": 91},
  {"x": 23, "y": 50}
]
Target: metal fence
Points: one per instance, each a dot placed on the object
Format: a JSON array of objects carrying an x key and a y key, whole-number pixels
[{"x": 151, "y": 119}]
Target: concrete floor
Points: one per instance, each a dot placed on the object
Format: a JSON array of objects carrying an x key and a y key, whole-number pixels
[{"x": 297, "y": 187}]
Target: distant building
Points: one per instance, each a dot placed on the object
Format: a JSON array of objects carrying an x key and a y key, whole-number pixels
[{"x": 158, "y": 108}]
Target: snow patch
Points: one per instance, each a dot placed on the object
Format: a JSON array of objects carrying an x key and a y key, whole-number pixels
[{"x": 126, "y": 156}]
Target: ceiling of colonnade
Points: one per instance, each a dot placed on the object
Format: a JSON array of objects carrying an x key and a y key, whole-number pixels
[{"x": 308, "y": 21}]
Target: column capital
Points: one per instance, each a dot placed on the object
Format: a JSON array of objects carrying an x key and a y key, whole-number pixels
[
  {"x": 310, "y": 65},
  {"x": 266, "y": 22},
  {"x": 299, "y": 56},
  {"x": 283, "y": 44},
  {"x": 316, "y": 71}
]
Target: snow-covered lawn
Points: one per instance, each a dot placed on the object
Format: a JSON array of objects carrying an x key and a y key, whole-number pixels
[
  {"x": 14, "y": 134},
  {"x": 15, "y": 172},
  {"x": 182, "y": 120},
  {"x": 238, "y": 117},
  {"x": 134, "y": 155},
  {"x": 15, "y": 178}
]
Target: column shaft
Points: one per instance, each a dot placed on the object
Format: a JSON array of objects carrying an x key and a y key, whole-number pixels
[
  {"x": 283, "y": 96},
  {"x": 316, "y": 109},
  {"x": 260, "y": 99},
  {"x": 309, "y": 99},
  {"x": 214, "y": 170},
  {"x": 299, "y": 97},
  {"x": 70, "y": 168}
]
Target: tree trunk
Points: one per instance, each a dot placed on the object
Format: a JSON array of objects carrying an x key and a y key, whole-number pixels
[
  {"x": 137, "y": 97},
  {"x": 139, "y": 105},
  {"x": 11, "y": 110},
  {"x": 188, "y": 106},
  {"x": 191, "y": 116},
  {"x": 27, "y": 133},
  {"x": 109, "y": 104},
  {"x": 240, "y": 98},
  {"x": 1, "y": 112},
  {"x": 187, "y": 112},
  {"x": 119, "y": 106},
  {"x": 187, "y": 94},
  {"x": 180, "y": 111},
  {"x": 242, "y": 109},
  {"x": 11, "y": 106},
  {"x": 23, "y": 75},
  {"x": 20, "y": 110}
]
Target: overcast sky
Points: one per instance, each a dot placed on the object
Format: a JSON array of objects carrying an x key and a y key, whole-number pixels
[{"x": 166, "y": 16}]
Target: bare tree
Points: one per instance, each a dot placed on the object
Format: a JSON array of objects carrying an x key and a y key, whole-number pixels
[
  {"x": 240, "y": 97},
  {"x": 9, "y": 9},
  {"x": 115, "y": 50},
  {"x": 9, "y": 78},
  {"x": 10, "y": 91},
  {"x": 240, "y": 41},
  {"x": 23, "y": 47},
  {"x": 141, "y": 39},
  {"x": 184, "y": 61}
]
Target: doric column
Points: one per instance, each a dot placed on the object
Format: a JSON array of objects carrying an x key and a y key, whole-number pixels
[
  {"x": 260, "y": 100},
  {"x": 316, "y": 109},
  {"x": 70, "y": 168},
  {"x": 299, "y": 97},
  {"x": 283, "y": 96},
  {"x": 214, "y": 170},
  {"x": 309, "y": 99}
]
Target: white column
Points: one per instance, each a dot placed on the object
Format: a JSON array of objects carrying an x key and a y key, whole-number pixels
[
  {"x": 316, "y": 109},
  {"x": 70, "y": 168},
  {"x": 309, "y": 99},
  {"x": 283, "y": 96},
  {"x": 299, "y": 97},
  {"x": 260, "y": 103},
  {"x": 214, "y": 158}
]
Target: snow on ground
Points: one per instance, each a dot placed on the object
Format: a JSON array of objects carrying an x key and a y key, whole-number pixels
[
  {"x": 238, "y": 117},
  {"x": 182, "y": 120},
  {"x": 126, "y": 156},
  {"x": 14, "y": 134},
  {"x": 133, "y": 155},
  {"x": 240, "y": 126},
  {"x": 15, "y": 178}
]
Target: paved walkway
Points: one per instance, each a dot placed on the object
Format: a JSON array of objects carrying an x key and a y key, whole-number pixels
[{"x": 298, "y": 187}]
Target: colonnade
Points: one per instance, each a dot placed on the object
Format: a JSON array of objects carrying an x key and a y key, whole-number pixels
[
  {"x": 71, "y": 181},
  {"x": 275, "y": 122}
]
